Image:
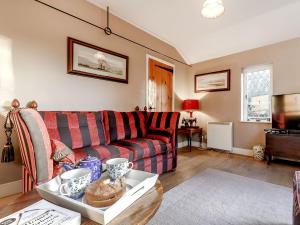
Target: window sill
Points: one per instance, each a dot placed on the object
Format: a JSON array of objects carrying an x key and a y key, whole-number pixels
[{"x": 255, "y": 122}]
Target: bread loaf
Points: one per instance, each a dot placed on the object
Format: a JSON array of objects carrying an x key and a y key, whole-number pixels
[{"x": 103, "y": 193}]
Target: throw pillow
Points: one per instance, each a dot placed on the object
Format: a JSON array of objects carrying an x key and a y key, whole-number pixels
[
  {"x": 161, "y": 134},
  {"x": 61, "y": 152}
]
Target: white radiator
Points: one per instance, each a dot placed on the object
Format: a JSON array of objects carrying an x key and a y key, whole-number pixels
[{"x": 219, "y": 135}]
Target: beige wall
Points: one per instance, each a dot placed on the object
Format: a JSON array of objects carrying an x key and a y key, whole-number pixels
[
  {"x": 33, "y": 62},
  {"x": 226, "y": 106}
]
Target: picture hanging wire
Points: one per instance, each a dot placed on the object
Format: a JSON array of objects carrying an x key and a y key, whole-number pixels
[{"x": 108, "y": 31}]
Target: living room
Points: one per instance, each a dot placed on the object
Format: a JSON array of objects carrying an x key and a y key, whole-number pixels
[{"x": 40, "y": 42}]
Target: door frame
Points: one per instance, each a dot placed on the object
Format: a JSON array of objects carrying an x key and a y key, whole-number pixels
[{"x": 148, "y": 57}]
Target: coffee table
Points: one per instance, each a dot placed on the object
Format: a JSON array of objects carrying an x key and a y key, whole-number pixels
[{"x": 140, "y": 212}]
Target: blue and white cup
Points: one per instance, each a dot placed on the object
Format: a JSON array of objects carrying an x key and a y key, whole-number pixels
[
  {"x": 74, "y": 182},
  {"x": 118, "y": 167}
]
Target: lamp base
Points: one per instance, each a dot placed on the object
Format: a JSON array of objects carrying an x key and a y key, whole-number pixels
[
  {"x": 195, "y": 127},
  {"x": 190, "y": 122}
]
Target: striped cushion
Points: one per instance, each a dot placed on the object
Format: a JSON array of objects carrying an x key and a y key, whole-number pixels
[
  {"x": 125, "y": 125},
  {"x": 163, "y": 135},
  {"x": 164, "y": 120},
  {"x": 104, "y": 152},
  {"x": 29, "y": 173},
  {"x": 76, "y": 129},
  {"x": 144, "y": 148},
  {"x": 41, "y": 144},
  {"x": 62, "y": 153}
]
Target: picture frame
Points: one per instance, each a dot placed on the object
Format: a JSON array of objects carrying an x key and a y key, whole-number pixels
[
  {"x": 88, "y": 60},
  {"x": 213, "y": 81}
]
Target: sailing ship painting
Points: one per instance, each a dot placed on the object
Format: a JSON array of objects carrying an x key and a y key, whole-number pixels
[
  {"x": 215, "y": 81},
  {"x": 88, "y": 60}
]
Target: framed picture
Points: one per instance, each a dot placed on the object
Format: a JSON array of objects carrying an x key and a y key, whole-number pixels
[
  {"x": 89, "y": 60},
  {"x": 214, "y": 81}
]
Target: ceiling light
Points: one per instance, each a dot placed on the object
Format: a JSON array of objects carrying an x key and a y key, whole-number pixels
[{"x": 212, "y": 8}]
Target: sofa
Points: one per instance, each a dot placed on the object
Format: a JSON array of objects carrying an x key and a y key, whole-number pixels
[{"x": 148, "y": 139}]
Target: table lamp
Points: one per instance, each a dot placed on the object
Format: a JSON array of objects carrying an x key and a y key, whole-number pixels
[{"x": 190, "y": 105}]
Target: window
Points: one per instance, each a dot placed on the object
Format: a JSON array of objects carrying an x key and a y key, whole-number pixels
[{"x": 256, "y": 93}]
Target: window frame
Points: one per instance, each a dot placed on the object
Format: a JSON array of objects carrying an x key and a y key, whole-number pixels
[{"x": 244, "y": 104}]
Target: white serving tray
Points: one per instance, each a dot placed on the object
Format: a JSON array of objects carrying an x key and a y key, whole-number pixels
[{"x": 139, "y": 181}]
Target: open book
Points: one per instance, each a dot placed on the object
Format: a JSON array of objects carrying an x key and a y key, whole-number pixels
[{"x": 43, "y": 213}]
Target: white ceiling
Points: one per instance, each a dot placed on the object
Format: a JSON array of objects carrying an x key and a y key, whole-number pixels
[{"x": 246, "y": 24}]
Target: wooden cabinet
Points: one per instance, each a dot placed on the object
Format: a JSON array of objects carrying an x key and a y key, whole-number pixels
[{"x": 283, "y": 145}]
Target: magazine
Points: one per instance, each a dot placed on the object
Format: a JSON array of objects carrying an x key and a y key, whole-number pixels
[{"x": 43, "y": 213}]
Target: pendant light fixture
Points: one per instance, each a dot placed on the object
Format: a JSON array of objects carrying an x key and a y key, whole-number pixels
[{"x": 212, "y": 8}]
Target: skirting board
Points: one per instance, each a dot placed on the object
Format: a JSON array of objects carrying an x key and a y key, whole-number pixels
[
  {"x": 194, "y": 144},
  {"x": 10, "y": 188},
  {"x": 242, "y": 151},
  {"x": 235, "y": 150}
]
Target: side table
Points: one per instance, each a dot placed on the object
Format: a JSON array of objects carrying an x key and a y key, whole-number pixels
[{"x": 189, "y": 132}]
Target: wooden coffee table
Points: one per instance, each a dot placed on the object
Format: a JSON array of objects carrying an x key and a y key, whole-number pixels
[{"x": 140, "y": 212}]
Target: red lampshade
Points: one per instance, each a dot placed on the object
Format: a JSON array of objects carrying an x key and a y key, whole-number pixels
[{"x": 190, "y": 105}]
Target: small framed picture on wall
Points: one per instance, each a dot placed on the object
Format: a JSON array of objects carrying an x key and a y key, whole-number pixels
[
  {"x": 214, "y": 81},
  {"x": 92, "y": 61}
]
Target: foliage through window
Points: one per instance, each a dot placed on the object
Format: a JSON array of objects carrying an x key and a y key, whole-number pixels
[{"x": 256, "y": 93}]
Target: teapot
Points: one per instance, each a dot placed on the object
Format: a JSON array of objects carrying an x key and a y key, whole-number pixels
[{"x": 92, "y": 163}]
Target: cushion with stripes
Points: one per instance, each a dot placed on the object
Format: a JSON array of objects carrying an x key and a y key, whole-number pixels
[
  {"x": 41, "y": 144},
  {"x": 162, "y": 134},
  {"x": 144, "y": 148},
  {"x": 61, "y": 152},
  {"x": 125, "y": 125},
  {"x": 164, "y": 120},
  {"x": 76, "y": 129},
  {"x": 103, "y": 152}
]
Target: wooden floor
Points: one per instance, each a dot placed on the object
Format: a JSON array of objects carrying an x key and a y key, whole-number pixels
[{"x": 192, "y": 163}]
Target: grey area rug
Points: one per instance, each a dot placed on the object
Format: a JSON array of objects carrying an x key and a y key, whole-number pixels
[{"x": 215, "y": 197}]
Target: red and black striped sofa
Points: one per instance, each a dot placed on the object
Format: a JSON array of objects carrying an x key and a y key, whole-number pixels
[{"x": 103, "y": 134}]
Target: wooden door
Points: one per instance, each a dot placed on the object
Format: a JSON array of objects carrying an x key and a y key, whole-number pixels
[{"x": 160, "y": 87}]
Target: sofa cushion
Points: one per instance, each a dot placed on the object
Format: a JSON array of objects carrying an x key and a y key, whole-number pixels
[
  {"x": 61, "y": 152},
  {"x": 144, "y": 148},
  {"x": 164, "y": 120},
  {"x": 76, "y": 129},
  {"x": 104, "y": 152},
  {"x": 125, "y": 125},
  {"x": 41, "y": 144},
  {"x": 162, "y": 134}
]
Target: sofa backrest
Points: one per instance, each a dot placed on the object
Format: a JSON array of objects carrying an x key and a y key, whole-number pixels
[
  {"x": 76, "y": 129},
  {"x": 125, "y": 125}
]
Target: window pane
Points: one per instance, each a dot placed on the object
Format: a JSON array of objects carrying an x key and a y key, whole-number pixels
[{"x": 257, "y": 94}]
